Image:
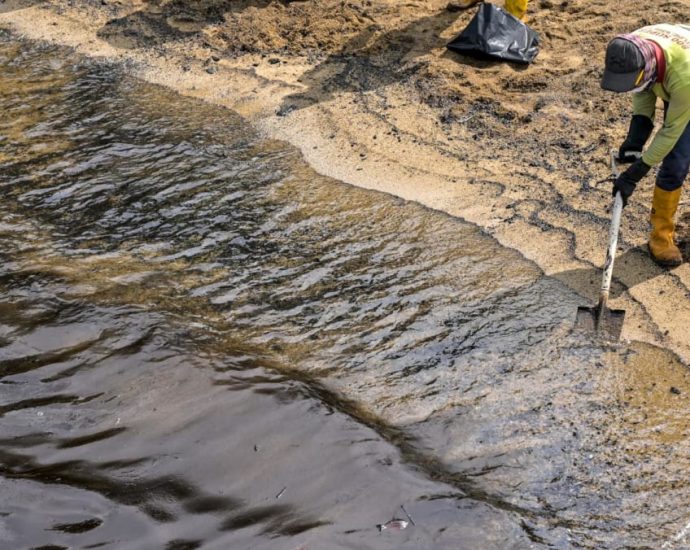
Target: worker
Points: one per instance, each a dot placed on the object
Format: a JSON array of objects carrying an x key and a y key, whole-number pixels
[
  {"x": 654, "y": 62},
  {"x": 517, "y": 8}
]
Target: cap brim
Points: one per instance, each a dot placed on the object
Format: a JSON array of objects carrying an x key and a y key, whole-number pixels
[{"x": 619, "y": 82}]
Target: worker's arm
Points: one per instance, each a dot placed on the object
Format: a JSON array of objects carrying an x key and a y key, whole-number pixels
[
  {"x": 641, "y": 126},
  {"x": 677, "y": 118},
  {"x": 640, "y": 129}
]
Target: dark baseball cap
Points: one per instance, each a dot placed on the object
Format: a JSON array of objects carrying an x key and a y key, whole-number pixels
[{"x": 624, "y": 66}]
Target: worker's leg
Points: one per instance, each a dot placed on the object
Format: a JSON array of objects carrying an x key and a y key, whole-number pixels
[
  {"x": 517, "y": 7},
  {"x": 672, "y": 174}
]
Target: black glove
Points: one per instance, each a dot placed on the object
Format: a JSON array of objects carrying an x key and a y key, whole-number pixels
[
  {"x": 626, "y": 182},
  {"x": 640, "y": 129}
]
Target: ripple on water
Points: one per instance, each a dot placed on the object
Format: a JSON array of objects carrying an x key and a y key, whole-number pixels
[{"x": 204, "y": 342}]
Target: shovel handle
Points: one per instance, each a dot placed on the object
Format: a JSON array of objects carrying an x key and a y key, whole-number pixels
[
  {"x": 613, "y": 239},
  {"x": 614, "y": 164}
]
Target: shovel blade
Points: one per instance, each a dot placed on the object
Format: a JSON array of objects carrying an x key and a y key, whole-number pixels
[{"x": 607, "y": 323}]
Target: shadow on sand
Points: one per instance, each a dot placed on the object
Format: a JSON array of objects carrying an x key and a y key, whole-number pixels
[
  {"x": 372, "y": 61},
  {"x": 159, "y": 23},
  {"x": 7, "y": 6},
  {"x": 631, "y": 268}
]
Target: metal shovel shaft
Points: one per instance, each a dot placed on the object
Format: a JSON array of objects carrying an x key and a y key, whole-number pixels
[
  {"x": 611, "y": 252},
  {"x": 600, "y": 318}
]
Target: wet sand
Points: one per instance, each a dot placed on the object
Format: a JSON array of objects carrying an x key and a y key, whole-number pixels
[{"x": 371, "y": 97}]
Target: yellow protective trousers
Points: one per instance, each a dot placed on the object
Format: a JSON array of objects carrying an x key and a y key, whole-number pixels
[{"x": 518, "y": 8}]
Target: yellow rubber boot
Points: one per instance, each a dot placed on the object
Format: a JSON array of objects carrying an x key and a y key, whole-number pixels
[
  {"x": 517, "y": 8},
  {"x": 661, "y": 245}
]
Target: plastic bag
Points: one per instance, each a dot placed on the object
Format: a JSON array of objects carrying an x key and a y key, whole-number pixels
[{"x": 495, "y": 34}]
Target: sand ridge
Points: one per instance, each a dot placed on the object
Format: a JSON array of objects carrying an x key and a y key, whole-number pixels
[{"x": 368, "y": 92}]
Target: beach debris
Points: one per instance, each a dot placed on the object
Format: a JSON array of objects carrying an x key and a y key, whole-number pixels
[
  {"x": 495, "y": 33},
  {"x": 280, "y": 494},
  {"x": 393, "y": 525}
]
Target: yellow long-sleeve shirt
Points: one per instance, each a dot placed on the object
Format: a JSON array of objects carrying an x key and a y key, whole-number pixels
[{"x": 674, "y": 40}]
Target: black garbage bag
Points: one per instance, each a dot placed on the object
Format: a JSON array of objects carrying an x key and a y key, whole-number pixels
[{"x": 493, "y": 33}]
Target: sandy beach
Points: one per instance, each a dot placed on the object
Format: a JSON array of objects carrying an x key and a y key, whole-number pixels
[{"x": 371, "y": 96}]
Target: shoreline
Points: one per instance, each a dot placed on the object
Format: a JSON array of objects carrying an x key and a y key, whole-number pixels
[{"x": 382, "y": 137}]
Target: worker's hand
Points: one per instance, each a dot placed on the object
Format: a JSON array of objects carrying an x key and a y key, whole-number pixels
[
  {"x": 627, "y": 181},
  {"x": 640, "y": 129}
]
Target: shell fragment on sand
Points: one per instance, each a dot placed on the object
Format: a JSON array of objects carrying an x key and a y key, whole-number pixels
[{"x": 394, "y": 524}]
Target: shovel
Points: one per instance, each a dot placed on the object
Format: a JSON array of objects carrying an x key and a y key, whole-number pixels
[{"x": 606, "y": 322}]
